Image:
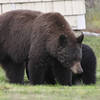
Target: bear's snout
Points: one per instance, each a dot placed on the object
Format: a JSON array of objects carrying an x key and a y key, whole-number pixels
[{"x": 76, "y": 68}]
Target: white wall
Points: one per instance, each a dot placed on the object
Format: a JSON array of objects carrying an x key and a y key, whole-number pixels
[{"x": 73, "y": 10}]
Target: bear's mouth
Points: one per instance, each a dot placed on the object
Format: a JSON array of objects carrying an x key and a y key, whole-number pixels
[{"x": 76, "y": 68}]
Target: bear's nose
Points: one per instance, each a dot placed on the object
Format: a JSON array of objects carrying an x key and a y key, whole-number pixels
[
  {"x": 80, "y": 70},
  {"x": 76, "y": 68}
]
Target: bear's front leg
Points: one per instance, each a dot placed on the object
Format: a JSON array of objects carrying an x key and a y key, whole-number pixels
[
  {"x": 49, "y": 77},
  {"x": 63, "y": 75},
  {"x": 36, "y": 72}
]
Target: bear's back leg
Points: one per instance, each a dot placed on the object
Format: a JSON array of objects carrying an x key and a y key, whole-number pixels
[{"x": 14, "y": 71}]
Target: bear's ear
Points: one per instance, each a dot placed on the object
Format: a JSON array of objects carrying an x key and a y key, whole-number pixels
[
  {"x": 80, "y": 38},
  {"x": 62, "y": 40}
]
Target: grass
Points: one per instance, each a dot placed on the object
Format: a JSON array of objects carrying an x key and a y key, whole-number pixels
[{"x": 54, "y": 92}]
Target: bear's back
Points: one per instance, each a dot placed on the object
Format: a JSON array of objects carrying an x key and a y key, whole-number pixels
[
  {"x": 15, "y": 30},
  {"x": 88, "y": 57},
  {"x": 12, "y": 21}
]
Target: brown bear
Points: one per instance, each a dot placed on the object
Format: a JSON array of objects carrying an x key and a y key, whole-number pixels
[
  {"x": 38, "y": 39},
  {"x": 15, "y": 29}
]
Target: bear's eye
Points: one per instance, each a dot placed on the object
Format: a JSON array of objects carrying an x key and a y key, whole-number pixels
[{"x": 63, "y": 40}]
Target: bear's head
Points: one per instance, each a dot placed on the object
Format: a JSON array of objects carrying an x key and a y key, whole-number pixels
[
  {"x": 69, "y": 53},
  {"x": 63, "y": 45}
]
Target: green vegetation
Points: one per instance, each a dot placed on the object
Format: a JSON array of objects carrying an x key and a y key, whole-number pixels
[
  {"x": 56, "y": 92},
  {"x": 93, "y": 17}
]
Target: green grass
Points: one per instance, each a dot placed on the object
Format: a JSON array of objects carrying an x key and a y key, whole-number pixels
[{"x": 57, "y": 92}]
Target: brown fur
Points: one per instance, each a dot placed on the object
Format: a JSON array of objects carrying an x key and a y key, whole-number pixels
[
  {"x": 15, "y": 28},
  {"x": 37, "y": 38}
]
